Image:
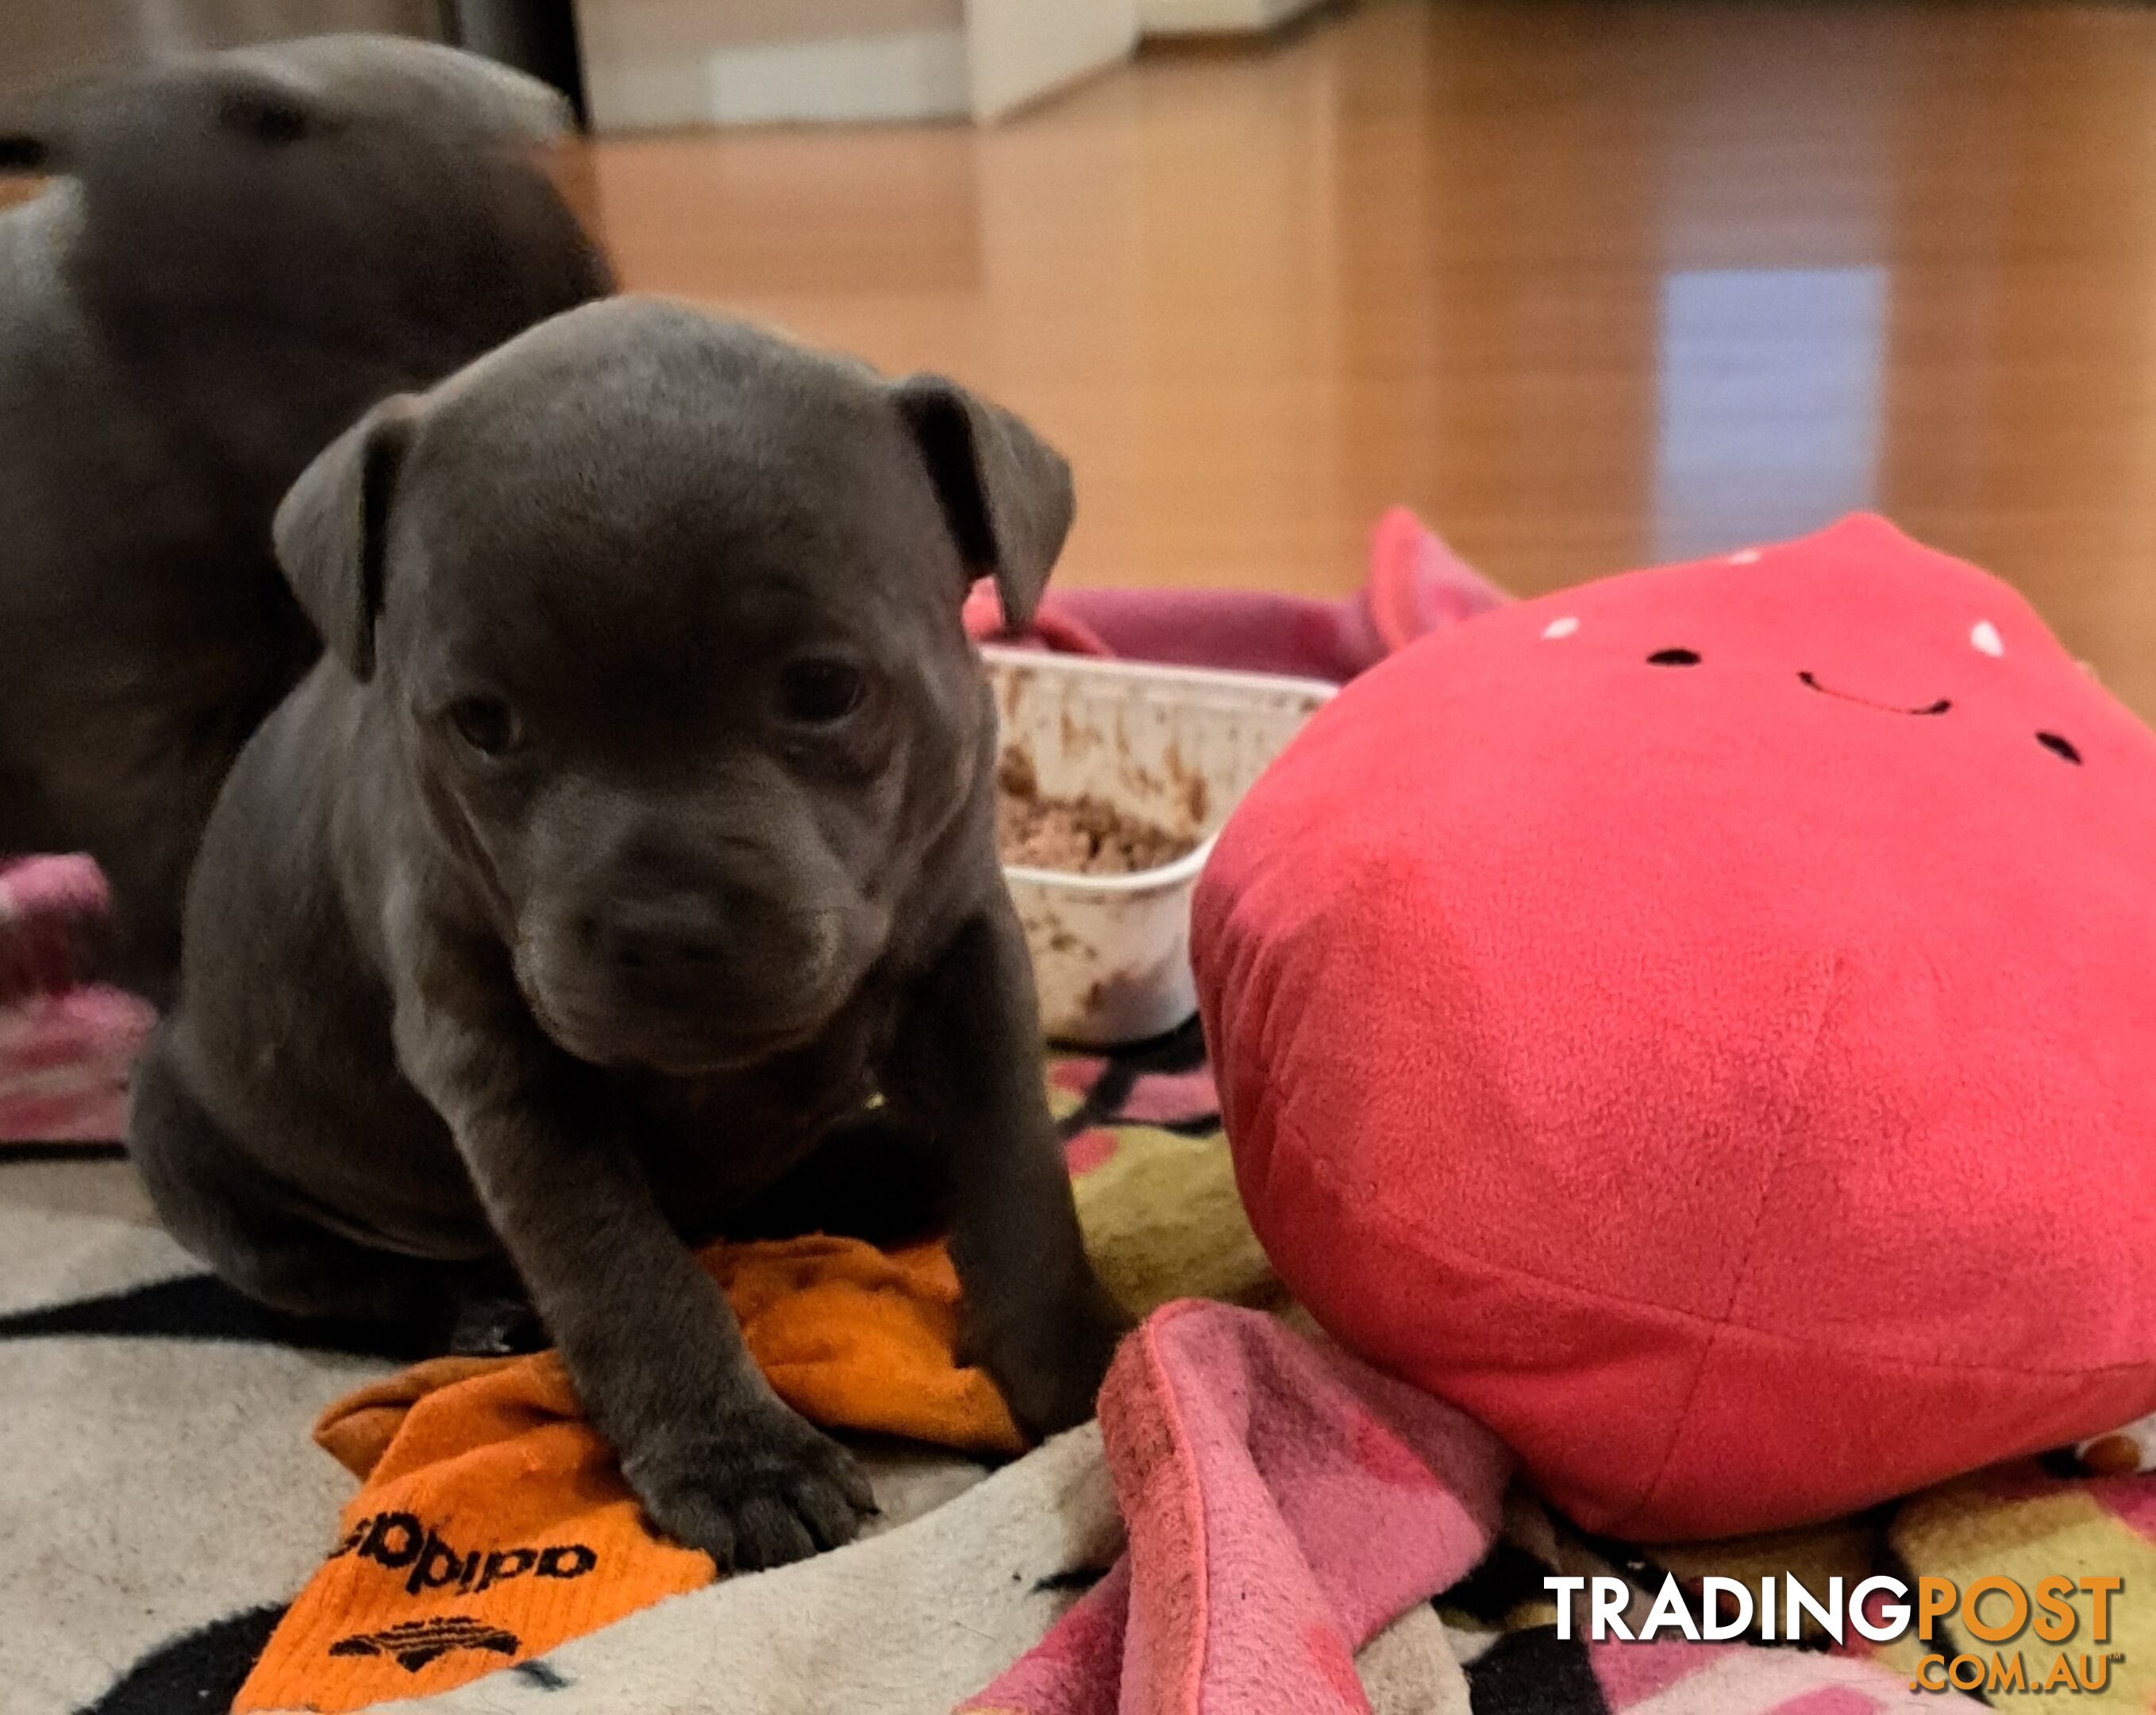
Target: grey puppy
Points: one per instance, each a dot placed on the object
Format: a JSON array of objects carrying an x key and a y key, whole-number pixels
[
  {"x": 237, "y": 255},
  {"x": 628, "y": 877}
]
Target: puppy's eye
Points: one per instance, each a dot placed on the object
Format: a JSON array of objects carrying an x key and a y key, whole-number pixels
[
  {"x": 487, "y": 724},
  {"x": 265, "y": 116},
  {"x": 2059, "y": 746},
  {"x": 1674, "y": 658},
  {"x": 818, "y": 692}
]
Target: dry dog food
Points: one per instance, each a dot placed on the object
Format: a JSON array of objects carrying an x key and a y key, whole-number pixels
[{"x": 1086, "y": 835}]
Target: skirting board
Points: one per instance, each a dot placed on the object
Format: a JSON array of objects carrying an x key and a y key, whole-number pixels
[
  {"x": 1004, "y": 53},
  {"x": 915, "y": 74},
  {"x": 1216, "y": 18}
]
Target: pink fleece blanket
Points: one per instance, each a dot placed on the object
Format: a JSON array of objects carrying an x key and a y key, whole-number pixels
[
  {"x": 1414, "y": 584},
  {"x": 1284, "y": 1503}
]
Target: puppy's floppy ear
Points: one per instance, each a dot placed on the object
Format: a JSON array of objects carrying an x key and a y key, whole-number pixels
[
  {"x": 331, "y": 530},
  {"x": 1006, "y": 493}
]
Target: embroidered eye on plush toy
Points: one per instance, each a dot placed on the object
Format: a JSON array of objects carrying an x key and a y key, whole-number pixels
[{"x": 1704, "y": 1023}]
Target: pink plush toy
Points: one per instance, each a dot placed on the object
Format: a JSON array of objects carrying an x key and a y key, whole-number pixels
[{"x": 1704, "y": 1023}]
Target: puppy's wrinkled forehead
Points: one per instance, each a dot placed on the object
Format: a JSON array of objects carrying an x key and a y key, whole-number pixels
[
  {"x": 631, "y": 490},
  {"x": 700, "y": 495}
]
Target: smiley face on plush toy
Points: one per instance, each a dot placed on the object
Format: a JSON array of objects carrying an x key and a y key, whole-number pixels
[{"x": 1983, "y": 637}]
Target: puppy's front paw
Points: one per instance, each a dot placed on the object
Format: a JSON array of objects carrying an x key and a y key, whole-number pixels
[
  {"x": 757, "y": 1488},
  {"x": 1048, "y": 1361}
]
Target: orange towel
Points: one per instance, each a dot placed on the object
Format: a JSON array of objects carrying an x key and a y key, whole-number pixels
[{"x": 492, "y": 1523}]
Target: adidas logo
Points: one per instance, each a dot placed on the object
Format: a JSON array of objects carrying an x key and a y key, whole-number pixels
[
  {"x": 414, "y": 1643},
  {"x": 398, "y": 1540}
]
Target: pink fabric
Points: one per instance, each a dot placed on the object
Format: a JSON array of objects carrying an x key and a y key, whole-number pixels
[
  {"x": 65, "y": 1050},
  {"x": 1713, "y": 1078},
  {"x": 1416, "y": 585},
  {"x": 1284, "y": 1503},
  {"x": 1052, "y": 629},
  {"x": 1171, "y": 1098},
  {"x": 1630, "y": 1673},
  {"x": 44, "y": 904},
  {"x": 1676, "y": 1678}
]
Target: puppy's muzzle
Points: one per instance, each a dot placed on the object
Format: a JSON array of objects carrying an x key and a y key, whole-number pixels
[
  {"x": 723, "y": 951},
  {"x": 680, "y": 942}
]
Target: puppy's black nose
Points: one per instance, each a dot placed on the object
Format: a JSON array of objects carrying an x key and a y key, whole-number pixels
[{"x": 682, "y": 935}]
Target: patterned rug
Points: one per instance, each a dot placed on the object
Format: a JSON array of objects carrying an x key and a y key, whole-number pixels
[{"x": 161, "y": 1502}]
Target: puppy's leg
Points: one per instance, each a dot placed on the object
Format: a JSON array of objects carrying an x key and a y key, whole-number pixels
[
  {"x": 221, "y": 1206},
  {"x": 966, "y": 1066},
  {"x": 718, "y": 1460}
]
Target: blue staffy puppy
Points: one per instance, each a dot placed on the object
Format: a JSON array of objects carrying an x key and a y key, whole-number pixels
[{"x": 626, "y": 876}]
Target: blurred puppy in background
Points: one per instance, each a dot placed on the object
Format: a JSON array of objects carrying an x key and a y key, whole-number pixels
[{"x": 236, "y": 256}]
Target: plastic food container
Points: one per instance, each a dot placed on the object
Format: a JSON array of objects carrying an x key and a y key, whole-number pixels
[{"x": 1174, "y": 745}]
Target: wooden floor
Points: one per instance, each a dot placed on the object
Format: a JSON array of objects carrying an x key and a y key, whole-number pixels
[{"x": 1588, "y": 286}]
